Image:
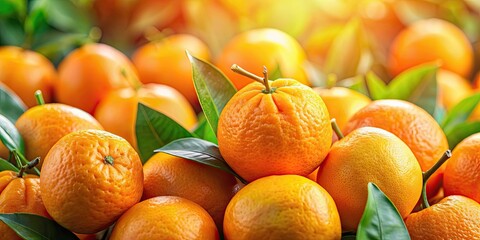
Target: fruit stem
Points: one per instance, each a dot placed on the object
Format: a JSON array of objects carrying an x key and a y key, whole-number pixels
[
  {"x": 336, "y": 128},
  {"x": 39, "y": 97},
  {"x": 29, "y": 165},
  {"x": 246, "y": 73},
  {"x": 20, "y": 158},
  {"x": 109, "y": 160},
  {"x": 265, "y": 79},
  {"x": 426, "y": 175}
]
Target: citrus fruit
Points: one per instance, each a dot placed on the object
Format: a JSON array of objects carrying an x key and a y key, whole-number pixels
[
  {"x": 282, "y": 207},
  {"x": 342, "y": 103},
  {"x": 26, "y": 71},
  {"x": 43, "y": 125},
  {"x": 211, "y": 188},
  {"x": 118, "y": 109},
  {"x": 412, "y": 125},
  {"x": 462, "y": 174},
  {"x": 452, "y": 88},
  {"x": 263, "y": 47},
  {"x": 366, "y": 155},
  {"x": 167, "y": 217},
  {"x": 280, "y": 129},
  {"x": 166, "y": 62},
  {"x": 89, "y": 178},
  {"x": 19, "y": 194},
  {"x": 431, "y": 40},
  {"x": 88, "y": 73},
  {"x": 454, "y": 217}
]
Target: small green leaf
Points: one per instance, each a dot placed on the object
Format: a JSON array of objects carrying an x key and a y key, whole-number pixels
[
  {"x": 356, "y": 83},
  {"x": 154, "y": 130},
  {"x": 460, "y": 131},
  {"x": 204, "y": 131},
  {"x": 67, "y": 16},
  {"x": 460, "y": 112},
  {"x": 213, "y": 88},
  {"x": 276, "y": 73},
  {"x": 36, "y": 21},
  {"x": 380, "y": 219},
  {"x": 6, "y": 165},
  {"x": 199, "y": 150},
  {"x": 376, "y": 86},
  {"x": 13, "y": 8},
  {"x": 12, "y": 106},
  {"x": 10, "y": 135},
  {"x": 30, "y": 226}
]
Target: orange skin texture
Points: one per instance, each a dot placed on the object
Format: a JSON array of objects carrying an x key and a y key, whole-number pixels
[
  {"x": 211, "y": 188},
  {"x": 414, "y": 126},
  {"x": 42, "y": 126},
  {"x": 342, "y": 103},
  {"x": 452, "y": 88},
  {"x": 263, "y": 47},
  {"x": 431, "y": 40},
  {"x": 166, "y": 217},
  {"x": 454, "y": 217},
  {"x": 166, "y": 62},
  {"x": 88, "y": 73},
  {"x": 81, "y": 190},
  {"x": 462, "y": 174},
  {"x": 124, "y": 102},
  {"x": 25, "y": 71},
  {"x": 19, "y": 195},
  {"x": 282, "y": 207},
  {"x": 285, "y": 132},
  {"x": 370, "y": 155}
]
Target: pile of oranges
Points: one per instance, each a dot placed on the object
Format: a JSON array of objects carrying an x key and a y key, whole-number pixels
[{"x": 303, "y": 178}]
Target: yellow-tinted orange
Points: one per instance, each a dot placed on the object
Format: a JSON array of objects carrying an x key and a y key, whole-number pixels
[{"x": 452, "y": 88}]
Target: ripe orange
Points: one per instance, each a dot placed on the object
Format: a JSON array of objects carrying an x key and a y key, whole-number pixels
[
  {"x": 165, "y": 62},
  {"x": 370, "y": 155},
  {"x": 454, "y": 217},
  {"x": 462, "y": 174},
  {"x": 452, "y": 88},
  {"x": 90, "y": 178},
  {"x": 282, "y": 207},
  {"x": 166, "y": 217},
  {"x": 123, "y": 102},
  {"x": 211, "y": 188},
  {"x": 19, "y": 194},
  {"x": 430, "y": 40},
  {"x": 414, "y": 126},
  {"x": 282, "y": 131},
  {"x": 476, "y": 81},
  {"x": 25, "y": 71},
  {"x": 342, "y": 103},
  {"x": 42, "y": 126},
  {"x": 263, "y": 47},
  {"x": 88, "y": 73}
]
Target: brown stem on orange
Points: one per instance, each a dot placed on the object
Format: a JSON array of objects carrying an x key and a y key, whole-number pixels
[
  {"x": 336, "y": 128},
  {"x": 29, "y": 165},
  {"x": 39, "y": 97},
  {"x": 265, "y": 79},
  {"x": 246, "y": 73},
  {"x": 426, "y": 175},
  {"x": 109, "y": 160}
]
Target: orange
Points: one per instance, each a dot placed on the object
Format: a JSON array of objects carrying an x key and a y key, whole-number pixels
[
  {"x": 313, "y": 176},
  {"x": 282, "y": 131},
  {"x": 211, "y": 188},
  {"x": 454, "y": 217},
  {"x": 263, "y": 47},
  {"x": 342, "y": 103},
  {"x": 414, "y": 126},
  {"x": 431, "y": 40},
  {"x": 25, "y": 71},
  {"x": 166, "y": 217},
  {"x": 88, "y": 73},
  {"x": 19, "y": 194},
  {"x": 42, "y": 126},
  {"x": 370, "y": 155},
  {"x": 90, "y": 178},
  {"x": 452, "y": 88},
  {"x": 166, "y": 62},
  {"x": 476, "y": 81},
  {"x": 282, "y": 207},
  {"x": 462, "y": 174},
  {"x": 124, "y": 102}
]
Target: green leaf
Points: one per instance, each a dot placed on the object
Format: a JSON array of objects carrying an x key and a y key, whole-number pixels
[
  {"x": 35, "y": 227},
  {"x": 12, "y": 105},
  {"x": 10, "y": 136},
  {"x": 460, "y": 112},
  {"x": 204, "y": 131},
  {"x": 154, "y": 130},
  {"x": 213, "y": 88},
  {"x": 198, "y": 150},
  {"x": 276, "y": 73},
  {"x": 460, "y": 131},
  {"x": 6, "y": 165},
  {"x": 67, "y": 16},
  {"x": 380, "y": 219},
  {"x": 12, "y": 32},
  {"x": 356, "y": 83},
  {"x": 13, "y": 8},
  {"x": 376, "y": 86}
]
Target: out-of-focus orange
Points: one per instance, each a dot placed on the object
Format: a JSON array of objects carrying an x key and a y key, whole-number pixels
[
  {"x": 118, "y": 110},
  {"x": 452, "y": 88},
  {"x": 165, "y": 62},
  {"x": 25, "y": 71},
  {"x": 90, "y": 72}
]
